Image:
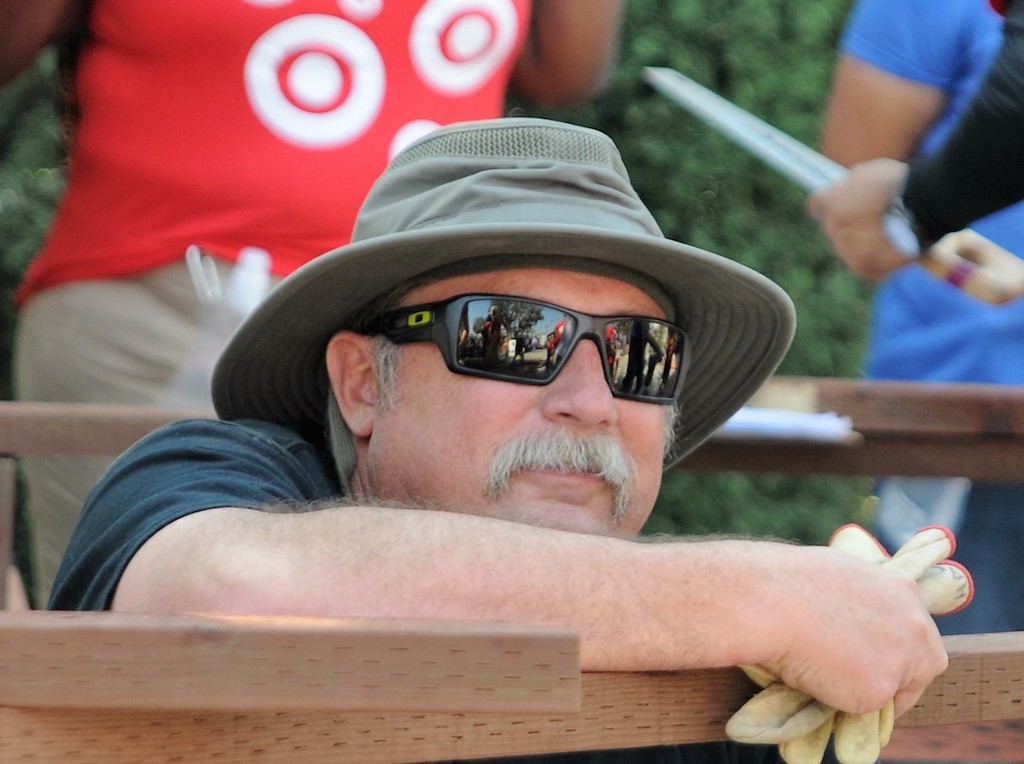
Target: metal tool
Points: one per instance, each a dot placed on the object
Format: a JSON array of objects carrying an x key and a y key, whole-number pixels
[{"x": 965, "y": 259}]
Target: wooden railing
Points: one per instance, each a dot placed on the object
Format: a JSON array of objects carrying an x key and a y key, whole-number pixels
[
  {"x": 903, "y": 428},
  {"x": 113, "y": 688}
]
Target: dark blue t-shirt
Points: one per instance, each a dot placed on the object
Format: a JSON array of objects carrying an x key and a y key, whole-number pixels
[
  {"x": 193, "y": 465},
  {"x": 181, "y": 468}
]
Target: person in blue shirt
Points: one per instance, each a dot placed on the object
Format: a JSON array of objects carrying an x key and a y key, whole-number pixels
[{"x": 906, "y": 75}]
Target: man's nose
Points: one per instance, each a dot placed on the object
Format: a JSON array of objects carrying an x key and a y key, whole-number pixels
[{"x": 580, "y": 391}]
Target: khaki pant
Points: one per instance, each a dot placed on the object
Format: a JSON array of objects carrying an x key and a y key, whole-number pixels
[{"x": 116, "y": 341}]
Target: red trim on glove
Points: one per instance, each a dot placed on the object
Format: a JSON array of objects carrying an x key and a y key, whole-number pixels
[
  {"x": 999, "y": 6},
  {"x": 970, "y": 585},
  {"x": 949, "y": 535}
]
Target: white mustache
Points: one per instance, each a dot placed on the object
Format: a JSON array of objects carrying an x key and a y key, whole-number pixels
[{"x": 563, "y": 451}]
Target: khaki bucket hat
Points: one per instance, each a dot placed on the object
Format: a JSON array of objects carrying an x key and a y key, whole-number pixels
[{"x": 497, "y": 194}]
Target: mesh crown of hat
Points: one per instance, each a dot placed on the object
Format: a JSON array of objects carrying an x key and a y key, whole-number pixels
[{"x": 564, "y": 143}]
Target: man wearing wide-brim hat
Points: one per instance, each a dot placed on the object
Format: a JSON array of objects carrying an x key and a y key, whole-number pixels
[{"x": 373, "y": 461}]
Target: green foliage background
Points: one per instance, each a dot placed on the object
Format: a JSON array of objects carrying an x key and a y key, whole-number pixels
[
  {"x": 775, "y": 59},
  {"x": 771, "y": 57}
]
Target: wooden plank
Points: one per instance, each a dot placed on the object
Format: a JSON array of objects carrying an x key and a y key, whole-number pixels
[
  {"x": 982, "y": 685},
  {"x": 905, "y": 408},
  {"x": 618, "y": 711},
  {"x": 993, "y": 741},
  {"x": 993, "y": 459},
  {"x": 79, "y": 428},
  {"x": 984, "y": 682},
  {"x": 933, "y": 408},
  {"x": 7, "y": 499},
  {"x": 910, "y": 428},
  {"x": 114, "y": 660}
]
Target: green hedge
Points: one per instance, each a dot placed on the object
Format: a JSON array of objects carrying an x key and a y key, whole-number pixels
[
  {"x": 772, "y": 57},
  {"x": 31, "y": 155}
]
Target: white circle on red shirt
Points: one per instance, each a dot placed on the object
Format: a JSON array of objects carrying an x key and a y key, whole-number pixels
[
  {"x": 458, "y": 45},
  {"x": 315, "y": 80},
  {"x": 361, "y": 10},
  {"x": 409, "y": 133}
]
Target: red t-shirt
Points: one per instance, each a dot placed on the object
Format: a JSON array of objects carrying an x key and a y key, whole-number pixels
[
  {"x": 229, "y": 123},
  {"x": 999, "y": 6}
]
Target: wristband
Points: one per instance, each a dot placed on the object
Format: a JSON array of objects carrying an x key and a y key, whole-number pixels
[{"x": 901, "y": 227}]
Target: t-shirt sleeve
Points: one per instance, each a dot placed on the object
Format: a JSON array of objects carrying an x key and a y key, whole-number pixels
[
  {"x": 977, "y": 171},
  {"x": 184, "y": 467},
  {"x": 916, "y": 40}
]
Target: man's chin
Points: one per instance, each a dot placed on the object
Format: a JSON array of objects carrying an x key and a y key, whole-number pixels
[
  {"x": 565, "y": 517},
  {"x": 559, "y": 513}
]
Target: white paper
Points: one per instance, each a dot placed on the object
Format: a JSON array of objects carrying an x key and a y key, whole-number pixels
[{"x": 781, "y": 424}]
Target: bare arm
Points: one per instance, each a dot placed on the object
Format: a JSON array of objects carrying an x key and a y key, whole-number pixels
[
  {"x": 26, "y": 26},
  {"x": 841, "y": 629},
  {"x": 570, "y": 52},
  {"x": 976, "y": 172},
  {"x": 872, "y": 113}
]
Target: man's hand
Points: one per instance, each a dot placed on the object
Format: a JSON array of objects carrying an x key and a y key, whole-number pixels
[
  {"x": 851, "y": 213},
  {"x": 856, "y": 634},
  {"x": 802, "y": 725}
]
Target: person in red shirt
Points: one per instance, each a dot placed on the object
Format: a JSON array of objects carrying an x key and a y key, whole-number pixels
[{"x": 228, "y": 124}]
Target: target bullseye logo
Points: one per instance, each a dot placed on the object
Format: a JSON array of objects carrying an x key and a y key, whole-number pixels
[
  {"x": 316, "y": 81},
  {"x": 457, "y": 45}
]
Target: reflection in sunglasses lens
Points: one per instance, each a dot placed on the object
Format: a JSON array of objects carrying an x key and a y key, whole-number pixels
[
  {"x": 517, "y": 338},
  {"x": 643, "y": 357},
  {"x": 526, "y": 340}
]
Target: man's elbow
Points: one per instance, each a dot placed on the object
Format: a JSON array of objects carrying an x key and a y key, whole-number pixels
[{"x": 195, "y": 564}]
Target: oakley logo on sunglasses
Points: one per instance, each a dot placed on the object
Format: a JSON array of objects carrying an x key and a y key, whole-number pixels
[{"x": 516, "y": 339}]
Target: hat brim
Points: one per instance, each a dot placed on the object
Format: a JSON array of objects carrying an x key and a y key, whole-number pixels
[{"x": 740, "y": 323}]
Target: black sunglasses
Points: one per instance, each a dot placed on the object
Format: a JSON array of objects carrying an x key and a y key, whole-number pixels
[{"x": 516, "y": 339}]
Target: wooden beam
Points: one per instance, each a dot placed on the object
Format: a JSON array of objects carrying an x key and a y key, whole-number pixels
[
  {"x": 983, "y": 684},
  {"x": 989, "y": 742},
  {"x": 989, "y": 459},
  {"x": 7, "y": 500},
  {"x": 905, "y": 428},
  {"x": 932, "y": 408},
  {"x": 243, "y": 663},
  {"x": 30, "y": 428},
  {"x": 619, "y": 710},
  {"x": 880, "y": 407}
]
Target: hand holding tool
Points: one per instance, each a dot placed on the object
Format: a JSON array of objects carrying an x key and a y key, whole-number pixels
[{"x": 965, "y": 259}]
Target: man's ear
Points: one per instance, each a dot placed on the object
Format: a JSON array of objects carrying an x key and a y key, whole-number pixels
[{"x": 353, "y": 379}]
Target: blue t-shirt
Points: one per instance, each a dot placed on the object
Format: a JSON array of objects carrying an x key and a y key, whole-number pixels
[{"x": 924, "y": 328}]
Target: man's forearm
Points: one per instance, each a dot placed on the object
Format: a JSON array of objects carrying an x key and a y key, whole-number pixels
[
  {"x": 374, "y": 562},
  {"x": 836, "y": 627}
]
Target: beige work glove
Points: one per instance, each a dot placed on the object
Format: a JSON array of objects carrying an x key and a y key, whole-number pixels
[{"x": 802, "y": 726}]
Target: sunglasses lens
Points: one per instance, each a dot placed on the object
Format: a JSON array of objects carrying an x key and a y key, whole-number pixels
[
  {"x": 644, "y": 357},
  {"x": 517, "y": 339}
]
